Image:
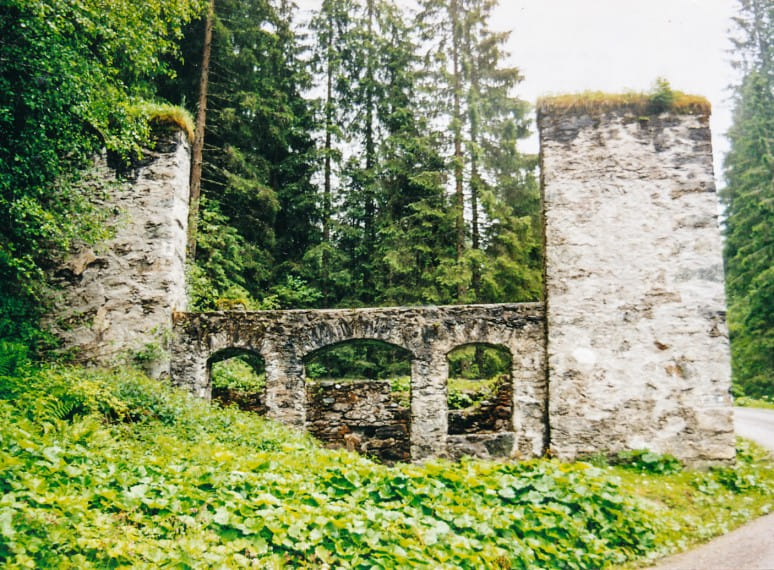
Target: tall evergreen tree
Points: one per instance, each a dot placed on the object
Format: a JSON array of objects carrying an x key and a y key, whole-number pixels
[
  {"x": 198, "y": 143},
  {"x": 484, "y": 120},
  {"x": 365, "y": 125},
  {"x": 415, "y": 226},
  {"x": 259, "y": 156},
  {"x": 366, "y": 60},
  {"x": 749, "y": 203},
  {"x": 332, "y": 47}
]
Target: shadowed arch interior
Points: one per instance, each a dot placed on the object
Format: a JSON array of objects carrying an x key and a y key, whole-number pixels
[
  {"x": 480, "y": 389},
  {"x": 359, "y": 397}
]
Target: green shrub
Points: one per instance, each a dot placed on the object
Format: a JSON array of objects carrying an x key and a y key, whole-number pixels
[
  {"x": 662, "y": 97},
  {"x": 147, "y": 476},
  {"x": 766, "y": 402},
  {"x": 238, "y": 374},
  {"x": 648, "y": 462}
]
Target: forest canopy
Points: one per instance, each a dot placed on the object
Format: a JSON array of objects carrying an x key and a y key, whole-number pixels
[{"x": 364, "y": 157}]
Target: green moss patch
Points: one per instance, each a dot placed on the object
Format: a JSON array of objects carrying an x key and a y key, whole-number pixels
[{"x": 163, "y": 114}]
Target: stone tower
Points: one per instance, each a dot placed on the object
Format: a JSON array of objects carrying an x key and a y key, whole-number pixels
[
  {"x": 115, "y": 300},
  {"x": 638, "y": 352}
]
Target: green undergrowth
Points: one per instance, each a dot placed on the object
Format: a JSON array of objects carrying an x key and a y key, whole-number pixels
[
  {"x": 694, "y": 506},
  {"x": 765, "y": 402},
  {"x": 238, "y": 375},
  {"x": 107, "y": 468}
]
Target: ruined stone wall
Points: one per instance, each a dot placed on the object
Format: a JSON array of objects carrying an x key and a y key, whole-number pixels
[
  {"x": 638, "y": 351},
  {"x": 359, "y": 415},
  {"x": 490, "y": 415},
  {"x": 115, "y": 299},
  {"x": 285, "y": 338}
]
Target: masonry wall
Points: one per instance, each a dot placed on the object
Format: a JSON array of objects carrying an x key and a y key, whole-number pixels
[
  {"x": 638, "y": 351},
  {"x": 359, "y": 415},
  {"x": 115, "y": 300},
  {"x": 284, "y": 338}
]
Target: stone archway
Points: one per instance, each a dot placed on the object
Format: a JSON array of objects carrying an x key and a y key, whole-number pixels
[
  {"x": 480, "y": 398},
  {"x": 285, "y": 338}
]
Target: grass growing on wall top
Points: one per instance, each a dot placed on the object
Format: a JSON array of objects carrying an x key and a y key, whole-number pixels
[
  {"x": 166, "y": 114},
  {"x": 659, "y": 100}
]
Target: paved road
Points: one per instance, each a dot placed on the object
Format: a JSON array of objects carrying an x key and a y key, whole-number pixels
[
  {"x": 755, "y": 424},
  {"x": 750, "y": 547}
]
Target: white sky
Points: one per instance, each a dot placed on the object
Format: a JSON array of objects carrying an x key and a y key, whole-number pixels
[{"x": 566, "y": 46}]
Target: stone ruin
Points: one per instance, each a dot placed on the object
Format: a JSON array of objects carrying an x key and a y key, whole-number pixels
[
  {"x": 362, "y": 415},
  {"x": 629, "y": 349}
]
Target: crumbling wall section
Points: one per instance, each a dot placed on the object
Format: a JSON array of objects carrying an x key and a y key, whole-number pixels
[
  {"x": 285, "y": 338},
  {"x": 359, "y": 415},
  {"x": 114, "y": 301},
  {"x": 638, "y": 352}
]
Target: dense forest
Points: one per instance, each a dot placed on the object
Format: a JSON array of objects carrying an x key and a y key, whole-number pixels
[
  {"x": 357, "y": 159},
  {"x": 363, "y": 155}
]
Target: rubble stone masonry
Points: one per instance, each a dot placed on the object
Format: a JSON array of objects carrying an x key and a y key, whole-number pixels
[{"x": 638, "y": 353}]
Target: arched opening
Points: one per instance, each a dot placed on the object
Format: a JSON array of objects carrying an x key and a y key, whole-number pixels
[
  {"x": 359, "y": 397},
  {"x": 238, "y": 377},
  {"x": 480, "y": 389}
]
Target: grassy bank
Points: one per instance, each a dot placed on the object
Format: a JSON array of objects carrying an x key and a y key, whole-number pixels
[
  {"x": 111, "y": 469},
  {"x": 765, "y": 403}
]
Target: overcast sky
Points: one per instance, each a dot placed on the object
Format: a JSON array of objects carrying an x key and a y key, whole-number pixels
[{"x": 566, "y": 46}]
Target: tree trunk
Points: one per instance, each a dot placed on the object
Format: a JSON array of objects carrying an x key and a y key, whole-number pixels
[
  {"x": 198, "y": 146},
  {"x": 370, "y": 206},
  {"x": 475, "y": 176},
  {"x": 459, "y": 198},
  {"x": 327, "y": 184}
]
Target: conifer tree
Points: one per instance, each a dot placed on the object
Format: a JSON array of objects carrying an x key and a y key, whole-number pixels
[
  {"x": 749, "y": 203},
  {"x": 259, "y": 155},
  {"x": 416, "y": 229},
  {"x": 484, "y": 120},
  {"x": 331, "y": 29}
]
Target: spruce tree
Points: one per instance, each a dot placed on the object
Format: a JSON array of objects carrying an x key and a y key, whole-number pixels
[
  {"x": 331, "y": 34},
  {"x": 483, "y": 122},
  {"x": 749, "y": 204},
  {"x": 259, "y": 154}
]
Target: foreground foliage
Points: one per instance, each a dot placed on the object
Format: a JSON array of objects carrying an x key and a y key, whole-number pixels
[
  {"x": 766, "y": 402},
  {"x": 109, "y": 468}
]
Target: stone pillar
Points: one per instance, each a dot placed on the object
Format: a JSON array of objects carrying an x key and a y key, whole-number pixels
[
  {"x": 529, "y": 398},
  {"x": 189, "y": 370},
  {"x": 115, "y": 299},
  {"x": 429, "y": 406},
  {"x": 638, "y": 350},
  {"x": 285, "y": 387},
  {"x": 189, "y": 352}
]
